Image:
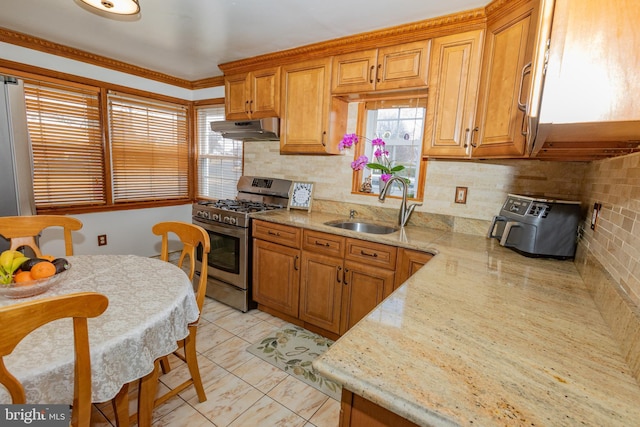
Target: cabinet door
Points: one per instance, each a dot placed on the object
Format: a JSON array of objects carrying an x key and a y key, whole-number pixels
[
  {"x": 364, "y": 287},
  {"x": 409, "y": 262},
  {"x": 508, "y": 49},
  {"x": 276, "y": 276},
  {"x": 305, "y": 107},
  {"x": 264, "y": 100},
  {"x": 454, "y": 73},
  {"x": 354, "y": 72},
  {"x": 236, "y": 103},
  {"x": 403, "y": 66},
  {"x": 321, "y": 290}
]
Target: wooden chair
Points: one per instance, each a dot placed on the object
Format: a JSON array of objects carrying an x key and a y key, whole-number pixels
[
  {"x": 19, "y": 320},
  {"x": 22, "y": 230},
  {"x": 191, "y": 237}
]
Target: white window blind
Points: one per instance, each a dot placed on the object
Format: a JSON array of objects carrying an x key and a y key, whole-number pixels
[
  {"x": 66, "y": 141},
  {"x": 219, "y": 159},
  {"x": 149, "y": 149}
]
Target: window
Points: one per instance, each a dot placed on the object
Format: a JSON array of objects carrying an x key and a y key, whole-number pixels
[
  {"x": 219, "y": 159},
  {"x": 149, "y": 149},
  {"x": 400, "y": 123},
  {"x": 143, "y": 161},
  {"x": 66, "y": 141}
]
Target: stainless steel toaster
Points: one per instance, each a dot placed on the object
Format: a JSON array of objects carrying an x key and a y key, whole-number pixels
[{"x": 538, "y": 227}]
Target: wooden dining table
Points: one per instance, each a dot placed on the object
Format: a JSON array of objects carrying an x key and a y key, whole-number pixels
[{"x": 151, "y": 303}]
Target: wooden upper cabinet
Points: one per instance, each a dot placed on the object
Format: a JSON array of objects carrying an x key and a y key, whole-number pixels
[
  {"x": 505, "y": 81},
  {"x": 253, "y": 95},
  {"x": 454, "y": 74},
  {"x": 589, "y": 104},
  {"x": 402, "y": 66},
  {"x": 313, "y": 122}
]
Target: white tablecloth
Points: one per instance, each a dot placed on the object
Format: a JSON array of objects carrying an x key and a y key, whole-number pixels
[{"x": 151, "y": 302}]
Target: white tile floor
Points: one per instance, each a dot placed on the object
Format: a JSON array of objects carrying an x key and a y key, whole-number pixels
[{"x": 242, "y": 390}]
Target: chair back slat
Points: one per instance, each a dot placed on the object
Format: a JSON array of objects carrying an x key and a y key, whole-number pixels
[
  {"x": 191, "y": 236},
  {"x": 22, "y": 230}
]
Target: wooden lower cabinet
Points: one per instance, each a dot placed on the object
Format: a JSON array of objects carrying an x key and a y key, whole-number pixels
[
  {"x": 322, "y": 281},
  {"x": 364, "y": 288},
  {"x": 409, "y": 262},
  {"x": 321, "y": 290},
  {"x": 276, "y": 276},
  {"x": 356, "y": 411}
]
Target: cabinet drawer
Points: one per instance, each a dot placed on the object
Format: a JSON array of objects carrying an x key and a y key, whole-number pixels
[
  {"x": 323, "y": 243},
  {"x": 277, "y": 233},
  {"x": 372, "y": 253}
]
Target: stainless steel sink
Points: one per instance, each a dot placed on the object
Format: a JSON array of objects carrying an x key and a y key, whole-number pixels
[{"x": 362, "y": 227}]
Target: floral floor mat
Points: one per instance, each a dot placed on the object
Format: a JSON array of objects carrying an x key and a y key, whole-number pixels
[{"x": 292, "y": 349}]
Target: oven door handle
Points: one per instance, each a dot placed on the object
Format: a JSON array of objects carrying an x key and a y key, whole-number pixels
[{"x": 217, "y": 227}]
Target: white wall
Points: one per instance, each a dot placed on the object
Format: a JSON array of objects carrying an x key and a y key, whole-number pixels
[
  {"x": 70, "y": 66},
  {"x": 128, "y": 232}
]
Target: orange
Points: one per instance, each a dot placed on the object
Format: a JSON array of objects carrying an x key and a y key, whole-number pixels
[
  {"x": 47, "y": 257},
  {"x": 43, "y": 269},
  {"x": 23, "y": 276}
]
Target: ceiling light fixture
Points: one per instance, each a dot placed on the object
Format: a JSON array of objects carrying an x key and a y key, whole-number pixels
[{"x": 118, "y": 7}]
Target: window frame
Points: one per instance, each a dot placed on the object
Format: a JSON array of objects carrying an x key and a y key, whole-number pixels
[{"x": 361, "y": 129}]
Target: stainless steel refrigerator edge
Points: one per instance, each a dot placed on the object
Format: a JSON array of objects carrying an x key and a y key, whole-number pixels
[{"x": 16, "y": 173}]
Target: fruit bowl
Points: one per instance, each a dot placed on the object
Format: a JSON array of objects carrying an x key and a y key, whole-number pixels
[{"x": 31, "y": 288}]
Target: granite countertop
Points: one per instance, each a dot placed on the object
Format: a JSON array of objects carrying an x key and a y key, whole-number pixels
[{"x": 481, "y": 336}]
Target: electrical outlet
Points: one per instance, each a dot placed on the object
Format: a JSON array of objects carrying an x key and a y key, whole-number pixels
[
  {"x": 461, "y": 195},
  {"x": 102, "y": 240}
]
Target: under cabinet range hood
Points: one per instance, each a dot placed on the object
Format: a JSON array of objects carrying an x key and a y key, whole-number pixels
[{"x": 249, "y": 130}]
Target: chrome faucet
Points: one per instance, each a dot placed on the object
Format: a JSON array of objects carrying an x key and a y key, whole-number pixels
[
  {"x": 405, "y": 210},
  {"x": 352, "y": 213}
]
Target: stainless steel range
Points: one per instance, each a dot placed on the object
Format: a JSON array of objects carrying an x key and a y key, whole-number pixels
[{"x": 229, "y": 226}]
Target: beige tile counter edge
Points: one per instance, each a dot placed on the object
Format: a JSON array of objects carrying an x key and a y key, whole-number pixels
[{"x": 482, "y": 336}]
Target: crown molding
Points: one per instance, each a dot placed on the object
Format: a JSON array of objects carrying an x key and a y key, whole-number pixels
[
  {"x": 36, "y": 43},
  {"x": 208, "y": 82},
  {"x": 421, "y": 30},
  {"x": 459, "y": 22}
]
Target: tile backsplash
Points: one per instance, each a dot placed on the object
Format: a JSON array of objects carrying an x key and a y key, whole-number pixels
[
  {"x": 615, "y": 183},
  {"x": 488, "y": 182}
]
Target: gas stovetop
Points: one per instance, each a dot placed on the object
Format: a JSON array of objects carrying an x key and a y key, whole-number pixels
[
  {"x": 234, "y": 205},
  {"x": 230, "y": 211},
  {"x": 255, "y": 194}
]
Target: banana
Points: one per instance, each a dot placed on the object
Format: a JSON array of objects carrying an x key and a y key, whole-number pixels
[
  {"x": 6, "y": 258},
  {"x": 17, "y": 262}
]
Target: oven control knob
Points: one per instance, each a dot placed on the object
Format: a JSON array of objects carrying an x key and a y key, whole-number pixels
[
  {"x": 233, "y": 221},
  {"x": 215, "y": 217}
]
